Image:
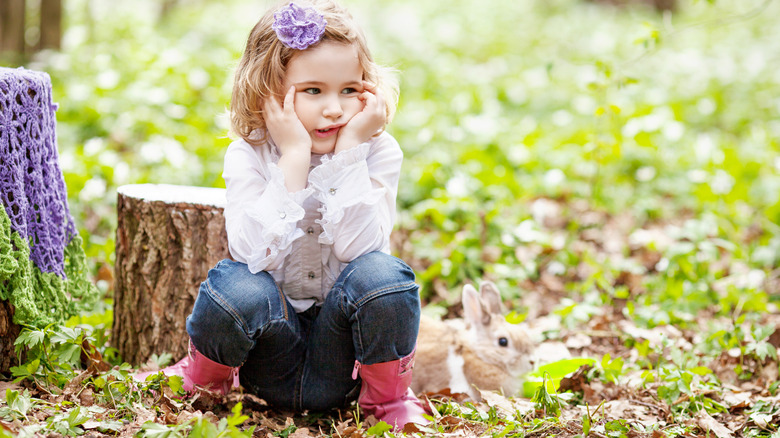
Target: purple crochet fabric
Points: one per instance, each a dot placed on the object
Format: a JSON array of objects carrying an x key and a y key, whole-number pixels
[
  {"x": 33, "y": 189},
  {"x": 298, "y": 27}
]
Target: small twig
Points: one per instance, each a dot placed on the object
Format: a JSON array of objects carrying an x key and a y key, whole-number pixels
[{"x": 647, "y": 405}]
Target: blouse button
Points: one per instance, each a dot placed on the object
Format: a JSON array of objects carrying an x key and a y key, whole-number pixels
[
  {"x": 332, "y": 190},
  {"x": 310, "y": 230},
  {"x": 311, "y": 275},
  {"x": 282, "y": 215}
]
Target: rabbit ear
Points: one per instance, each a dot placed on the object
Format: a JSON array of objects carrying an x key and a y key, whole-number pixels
[
  {"x": 474, "y": 307},
  {"x": 491, "y": 297}
]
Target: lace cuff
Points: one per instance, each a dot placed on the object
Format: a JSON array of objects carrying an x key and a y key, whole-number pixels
[
  {"x": 340, "y": 183},
  {"x": 277, "y": 213}
]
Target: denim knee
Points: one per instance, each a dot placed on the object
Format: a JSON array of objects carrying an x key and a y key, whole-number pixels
[
  {"x": 375, "y": 273},
  {"x": 232, "y": 309},
  {"x": 382, "y": 301}
]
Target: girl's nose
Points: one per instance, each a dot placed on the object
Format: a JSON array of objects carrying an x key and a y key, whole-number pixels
[{"x": 332, "y": 108}]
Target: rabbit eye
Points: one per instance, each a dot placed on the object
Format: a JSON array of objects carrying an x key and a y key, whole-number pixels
[{"x": 502, "y": 341}]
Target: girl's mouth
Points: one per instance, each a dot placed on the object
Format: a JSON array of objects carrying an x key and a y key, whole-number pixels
[{"x": 327, "y": 132}]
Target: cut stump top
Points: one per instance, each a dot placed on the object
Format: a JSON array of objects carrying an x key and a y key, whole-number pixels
[{"x": 175, "y": 194}]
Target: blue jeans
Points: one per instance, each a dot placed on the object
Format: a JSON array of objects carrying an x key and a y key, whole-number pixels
[{"x": 305, "y": 360}]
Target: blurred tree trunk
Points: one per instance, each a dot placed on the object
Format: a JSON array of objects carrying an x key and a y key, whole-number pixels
[
  {"x": 51, "y": 24},
  {"x": 12, "y": 19},
  {"x": 8, "y": 334},
  {"x": 13, "y": 26},
  {"x": 167, "y": 239}
]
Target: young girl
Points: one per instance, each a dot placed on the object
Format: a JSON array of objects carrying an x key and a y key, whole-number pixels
[{"x": 313, "y": 309}]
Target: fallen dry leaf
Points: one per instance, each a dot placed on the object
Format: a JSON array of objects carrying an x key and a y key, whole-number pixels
[
  {"x": 578, "y": 341},
  {"x": 498, "y": 401},
  {"x": 550, "y": 351},
  {"x": 5, "y": 426},
  {"x": 709, "y": 424},
  {"x": 625, "y": 409},
  {"x": 738, "y": 400},
  {"x": 91, "y": 424},
  {"x": 447, "y": 394},
  {"x": 93, "y": 361},
  {"x": 301, "y": 432},
  {"x": 8, "y": 385},
  {"x": 87, "y": 397}
]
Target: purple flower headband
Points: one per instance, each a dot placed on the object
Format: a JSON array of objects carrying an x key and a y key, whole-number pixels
[{"x": 298, "y": 27}]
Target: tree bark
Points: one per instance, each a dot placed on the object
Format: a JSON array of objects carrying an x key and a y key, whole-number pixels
[
  {"x": 51, "y": 24},
  {"x": 168, "y": 237},
  {"x": 12, "y": 13},
  {"x": 8, "y": 334}
]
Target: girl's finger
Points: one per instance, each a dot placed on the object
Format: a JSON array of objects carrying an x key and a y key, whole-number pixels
[
  {"x": 372, "y": 88},
  {"x": 271, "y": 105},
  {"x": 369, "y": 99},
  {"x": 289, "y": 100},
  {"x": 369, "y": 86}
]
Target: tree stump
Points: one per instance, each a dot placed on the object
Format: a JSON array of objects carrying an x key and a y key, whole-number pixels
[
  {"x": 8, "y": 333},
  {"x": 167, "y": 239}
]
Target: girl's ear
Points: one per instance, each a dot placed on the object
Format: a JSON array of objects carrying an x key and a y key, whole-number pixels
[
  {"x": 474, "y": 309},
  {"x": 491, "y": 297}
]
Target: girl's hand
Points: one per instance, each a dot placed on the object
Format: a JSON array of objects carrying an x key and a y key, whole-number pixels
[
  {"x": 285, "y": 127},
  {"x": 367, "y": 122},
  {"x": 291, "y": 138}
]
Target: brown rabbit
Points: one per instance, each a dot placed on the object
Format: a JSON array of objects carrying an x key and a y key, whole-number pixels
[{"x": 481, "y": 351}]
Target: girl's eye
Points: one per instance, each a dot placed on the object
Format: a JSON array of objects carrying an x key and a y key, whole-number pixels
[
  {"x": 349, "y": 91},
  {"x": 312, "y": 91}
]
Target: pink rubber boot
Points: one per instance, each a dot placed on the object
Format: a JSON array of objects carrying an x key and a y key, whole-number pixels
[
  {"x": 385, "y": 392},
  {"x": 198, "y": 370}
]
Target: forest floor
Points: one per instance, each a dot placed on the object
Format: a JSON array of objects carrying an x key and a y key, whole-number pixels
[{"x": 714, "y": 374}]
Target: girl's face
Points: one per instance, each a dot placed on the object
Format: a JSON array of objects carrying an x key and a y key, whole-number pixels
[{"x": 328, "y": 79}]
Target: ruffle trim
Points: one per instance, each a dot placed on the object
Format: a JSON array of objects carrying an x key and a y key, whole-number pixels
[
  {"x": 278, "y": 212},
  {"x": 331, "y": 217},
  {"x": 333, "y": 165}
]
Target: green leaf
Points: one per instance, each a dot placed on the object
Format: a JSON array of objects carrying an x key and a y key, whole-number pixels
[
  {"x": 619, "y": 426},
  {"x": 764, "y": 349},
  {"x": 515, "y": 318},
  {"x": 545, "y": 401},
  {"x": 701, "y": 371},
  {"x": 25, "y": 370},
  {"x": 176, "y": 383},
  {"x": 203, "y": 428},
  {"x": 75, "y": 418},
  {"x": 112, "y": 427},
  {"x": 71, "y": 354},
  {"x": 237, "y": 418},
  {"x": 287, "y": 431},
  {"x": 30, "y": 338},
  {"x": 18, "y": 403},
  {"x": 379, "y": 429},
  {"x": 585, "y": 425},
  {"x": 64, "y": 335},
  {"x": 150, "y": 429},
  {"x": 162, "y": 360}
]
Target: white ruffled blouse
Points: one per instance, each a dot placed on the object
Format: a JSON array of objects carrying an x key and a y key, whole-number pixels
[{"x": 305, "y": 239}]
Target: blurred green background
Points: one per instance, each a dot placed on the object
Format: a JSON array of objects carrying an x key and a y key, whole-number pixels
[{"x": 513, "y": 114}]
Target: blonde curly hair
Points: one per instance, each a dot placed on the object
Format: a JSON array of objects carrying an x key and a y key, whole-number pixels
[{"x": 261, "y": 70}]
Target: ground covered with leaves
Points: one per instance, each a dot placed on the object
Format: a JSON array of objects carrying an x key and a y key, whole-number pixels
[
  {"x": 614, "y": 170},
  {"x": 705, "y": 372}
]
